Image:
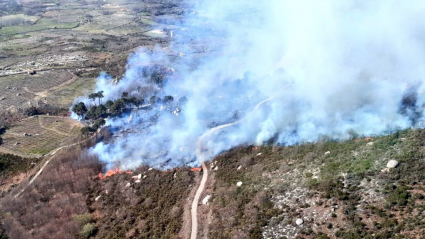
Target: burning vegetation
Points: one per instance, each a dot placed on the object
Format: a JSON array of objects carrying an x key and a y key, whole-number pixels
[{"x": 112, "y": 173}]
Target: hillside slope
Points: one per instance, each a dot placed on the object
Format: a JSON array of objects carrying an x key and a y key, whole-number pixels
[{"x": 321, "y": 190}]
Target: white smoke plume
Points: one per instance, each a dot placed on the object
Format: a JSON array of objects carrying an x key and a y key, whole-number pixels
[{"x": 336, "y": 69}]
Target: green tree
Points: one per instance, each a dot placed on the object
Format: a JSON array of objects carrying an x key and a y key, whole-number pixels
[
  {"x": 153, "y": 100},
  {"x": 118, "y": 106},
  {"x": 85, "y": 131},
  {"x": 108, "y": 104},
  {"x": 99, "y": 123},
  {"x": 100, "y": 111},
  {"x": 133, "y": 101},
  {"x": 80, "y": 109},
  {"x": 168, "y": 98},
  {"x": 91, "y": 113},
  {"x": 99, "y": 96},
  {"x": 93, "y": 97}
]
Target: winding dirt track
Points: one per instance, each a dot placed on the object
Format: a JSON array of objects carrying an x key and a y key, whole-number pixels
[
  {"x": 201, "y": 157},
  {"x": 52, "y": 154}
]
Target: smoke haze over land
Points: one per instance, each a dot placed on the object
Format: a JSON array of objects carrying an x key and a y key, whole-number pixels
[{"x": 342, "y": 68}]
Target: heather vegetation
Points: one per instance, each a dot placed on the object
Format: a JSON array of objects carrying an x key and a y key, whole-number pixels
[
  {"x": 149, "y": 208},
  {"x": 239, "y": 212},
  {"x": 279, "y": 185},
  {"x": 339, "y": 189},
  {"x": 50, "y": 207}
]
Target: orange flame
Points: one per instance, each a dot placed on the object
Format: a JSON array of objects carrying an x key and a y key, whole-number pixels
[
  {"x": 368, "y": 139},
  {"x": 113, "y": 172},
  {"x": 195, "y": 169}
]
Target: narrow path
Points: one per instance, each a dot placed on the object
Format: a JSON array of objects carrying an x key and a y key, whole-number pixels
[
  {"x": 195, "y": 202},
  {"x": 202, "y": 158},
  {"x": 53, "y": 154},
  {"x": 40, "y": 122}
]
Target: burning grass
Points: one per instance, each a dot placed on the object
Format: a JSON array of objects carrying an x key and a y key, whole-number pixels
[{"x": 112, "y": 173}]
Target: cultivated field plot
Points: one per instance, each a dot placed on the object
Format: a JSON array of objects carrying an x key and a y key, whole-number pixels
[
  {"x": 39, "y": 135},
  {"x": 25, "y": 90}
]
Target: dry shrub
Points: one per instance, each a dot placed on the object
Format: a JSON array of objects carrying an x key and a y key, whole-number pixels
[{"x": 47, "y": 208}]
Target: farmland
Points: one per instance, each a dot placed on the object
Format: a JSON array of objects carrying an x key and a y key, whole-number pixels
[
  {"x": 38, "y": 135},
  {"x": 66, "y": 44}
]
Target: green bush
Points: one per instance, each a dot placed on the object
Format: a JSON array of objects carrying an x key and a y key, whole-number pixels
[
  {"x": 399, "y": 196},
  {"x": 83, "y": 219},
  {"x": 88, "y": 230}
]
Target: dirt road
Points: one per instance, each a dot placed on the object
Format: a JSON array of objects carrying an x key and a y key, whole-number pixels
[
  {"x": 52, "y": 155},
  {"x": 202, "y": 158},
  {"x": 195, "y": 202}
]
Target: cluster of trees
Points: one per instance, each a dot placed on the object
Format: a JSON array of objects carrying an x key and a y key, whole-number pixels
[
  {"x": 99, "y": 95},
  {"x": 98, "y": 112},
  {"x": 109, "y": 108}
]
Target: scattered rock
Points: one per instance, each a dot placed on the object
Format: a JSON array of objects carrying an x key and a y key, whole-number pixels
[
  {"x": 205, "y": 200},
  {"x": 239, "y": 168},
  {"x": 97, "y": 198},
  {"x": 369, "y": 144},
  {"x": 238, "y": 184},
  {"x": 259, "y": 154},
  {"x": 299, "y": 221},
  {"x": 150, "y": 169},
  {"x": 385, "y": 170},
  {"x": 328, "y": 153},
  {"x": 17, "y": 143},
  {"x": 127, "y": 185},
  {"x": 392, "y": 163},
  {"x": 137, "y": 181},
  {"x": 216, "y": 168}
]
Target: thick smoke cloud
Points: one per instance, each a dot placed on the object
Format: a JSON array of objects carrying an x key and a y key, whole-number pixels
[{"x": 334, "y": 69}]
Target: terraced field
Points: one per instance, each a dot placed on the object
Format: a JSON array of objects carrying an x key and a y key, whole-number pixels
[{"x": 38, "y": 135}]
